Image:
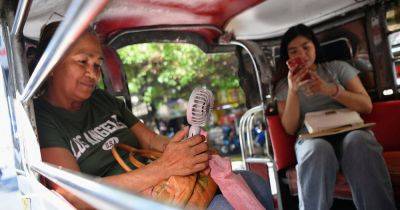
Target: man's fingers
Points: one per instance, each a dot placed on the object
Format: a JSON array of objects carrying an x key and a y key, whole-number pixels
[{"x": 180, "y": 135}]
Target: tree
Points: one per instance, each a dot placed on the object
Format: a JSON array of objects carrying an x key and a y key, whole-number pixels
[{"x": 158, "y": 72}]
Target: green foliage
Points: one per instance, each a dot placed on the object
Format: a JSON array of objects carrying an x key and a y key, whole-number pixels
[{"x": 158, "y": 71}]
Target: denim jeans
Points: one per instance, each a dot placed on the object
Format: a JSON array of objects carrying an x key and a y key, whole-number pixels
[
  {"x": 260, "y": 188},
  {"x": 359, "y": 157}
]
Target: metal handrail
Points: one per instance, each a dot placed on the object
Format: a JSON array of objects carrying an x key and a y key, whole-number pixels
[
  {"x": 253, "y": 60},
  {"x": 242, "y": 129},
  {"x": 241, "y": 139},
  {"x": 165, "y": 28},
  {"x": 258, "y": 160},
  {"x": 20, "y": 16},
  {"x": 249, "y": 134},
  {"x": 77, "y": 18},
  {"x": 97, "y": 194},
  {"x": 245, "y": 125}
]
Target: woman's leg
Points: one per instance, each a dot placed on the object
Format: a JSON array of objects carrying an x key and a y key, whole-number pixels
[
  {"x": 260, "y": 188},
  {"x": 317, "y": 166},
  {"x": 366, "y": 172}
]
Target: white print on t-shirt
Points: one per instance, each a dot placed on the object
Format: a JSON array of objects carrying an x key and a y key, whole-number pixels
[
  {"x": 81, "y": 142},
  {"x": 110, "y": 143}
]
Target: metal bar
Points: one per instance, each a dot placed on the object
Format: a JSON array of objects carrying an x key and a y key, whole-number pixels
[
  {"x": 258, "y": 160},
  {"x": 278, "y": 188},
  {"x": 77, "y": 18},
  {"x": 18, "y": 65},
  {"x": 249, "y": 133},
  {"x": 20, "y": 16},
  {"x": 97, "y": 194},
  {"x": 257, "y": 71},
  {"x": 242, "y": 138},
  {"x": 242, "y": 129},
  {"x": 10, "y": 80},
  {"x": 166, "y": 28},
  {"x": 9, "y": 188}
]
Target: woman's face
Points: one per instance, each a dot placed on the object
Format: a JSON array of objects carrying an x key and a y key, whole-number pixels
[
  {"x": 304, "y": 48},
  {"x": 76, "y": 75}
]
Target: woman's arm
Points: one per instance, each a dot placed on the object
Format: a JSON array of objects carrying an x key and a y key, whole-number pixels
[
  {"x": 62, "y": 157},
  {"x": 148, "y": 139},
  {"x": 136, "y": 180},
  {"x": 354, "y": 96},
  {"x": 289, "y": 111},
  {"x": 179, "y": 158}
]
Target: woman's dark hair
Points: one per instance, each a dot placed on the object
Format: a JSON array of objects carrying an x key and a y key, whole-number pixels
[
  {"x": 292, "y": 33},
  {"x": 46, "y": 33}
]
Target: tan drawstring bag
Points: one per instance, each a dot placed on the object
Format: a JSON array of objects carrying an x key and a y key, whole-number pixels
[{"x": 193, "y": 191}]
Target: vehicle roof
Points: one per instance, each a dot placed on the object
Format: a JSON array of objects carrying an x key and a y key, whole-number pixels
[
  {"x": 122, "y": 15},
  {"x": 273, "y": 17}
]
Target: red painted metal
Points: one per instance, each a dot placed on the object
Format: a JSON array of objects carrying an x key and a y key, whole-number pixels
[
  {"x": 128, "y": 14},
  {"x": 114, "y": 68}
]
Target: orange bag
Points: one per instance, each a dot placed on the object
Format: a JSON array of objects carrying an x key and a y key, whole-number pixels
[{"x": 193, "y": 191}]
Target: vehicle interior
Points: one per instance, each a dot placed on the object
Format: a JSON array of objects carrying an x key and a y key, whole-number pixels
[{"x": 361, "y": 33}]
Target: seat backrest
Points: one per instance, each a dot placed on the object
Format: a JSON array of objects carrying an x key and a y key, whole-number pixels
[
  {"x": 337, "y": 49},
  {"x": 113, "y": 75},
  {"x": 386, "y": 115},
  {"x": 282, "y": 143}
]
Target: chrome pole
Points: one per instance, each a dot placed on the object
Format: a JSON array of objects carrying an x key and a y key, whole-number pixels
[
  {"x": 257, "y": 71},
  {"x": 242, "y": 130},
  {"x": 77, "y": 18},
  {"x": 18, "y": 64},
  {"x": 97, "y": 194},
  {"x": 250, "y": 134},
  {"x": 242, "y": 138},
  {"x": 20, "y": 16}
]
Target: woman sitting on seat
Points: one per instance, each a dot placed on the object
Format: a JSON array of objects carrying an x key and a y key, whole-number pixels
[
  {"x": 318, "y": 86},
  {"x": 79, "y": 124}
]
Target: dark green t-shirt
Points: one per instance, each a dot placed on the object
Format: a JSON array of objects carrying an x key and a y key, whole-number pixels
[{"x": 89, "y": 133}]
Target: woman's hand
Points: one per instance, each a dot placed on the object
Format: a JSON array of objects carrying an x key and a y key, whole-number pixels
[
  {"x": 297, "y": 80},
  {"x": 184, "y": 157},
  {"x": 318, "y": 85}
]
